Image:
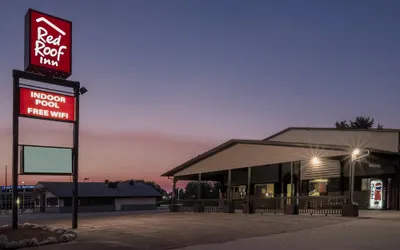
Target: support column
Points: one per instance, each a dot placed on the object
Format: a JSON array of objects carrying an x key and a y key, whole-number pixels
[
  {"x": 229, "y": 207},
  {"x": 291, "y": 208},
  {"x": 248, "y": 184},
  {"x": 174, "y": 205},
  {"x": 174, "y": 191},
  {"x": 282, "y": 185},
  {"x": 291, "y": 183},
  {"x": 199, "y": 193},
  {"x": 229, "y": 192},
  {"x": 298, "y": 183},
  {"x": 248, "y": 208},
  {"x": 342, "y": 165},
  {"x": 199, "y": 205}
]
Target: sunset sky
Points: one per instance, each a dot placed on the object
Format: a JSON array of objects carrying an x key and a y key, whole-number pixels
[{"x": 168, "y": 80}]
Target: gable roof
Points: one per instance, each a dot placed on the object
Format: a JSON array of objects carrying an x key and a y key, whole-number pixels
[
  {"x": 99, "y": 189},
  {"x": 330, "y": 129}
]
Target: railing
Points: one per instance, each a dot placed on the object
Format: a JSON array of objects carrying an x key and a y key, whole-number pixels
[
  {"x": 214, "y": 206},
  {"x": 238, "y": 203},
  {"x": 306, "y": 204},
  {"x": 208, "y": 205},
  {"x": 322, "y": 204},
  {"x": 269, "y": 205},
  {"x": 186, "y": 205}
]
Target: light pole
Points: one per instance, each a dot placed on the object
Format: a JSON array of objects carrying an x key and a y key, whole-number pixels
[
  {"x": 23, "y": 196},
  {"x": 355, "y": 156},
  {"x": 5, "y": 176}
]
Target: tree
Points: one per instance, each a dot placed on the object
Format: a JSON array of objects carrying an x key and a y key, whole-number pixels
[
  {"x": 360, "y": 122},
  {"x": 209, "y": 190},
  {"x": 157, "y": 187},
  {"x": 342, "y": 124}
]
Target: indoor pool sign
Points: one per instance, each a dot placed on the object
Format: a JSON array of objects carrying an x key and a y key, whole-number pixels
[
  {"x": 48, "y": 45},
  {"x": 46, "y": 105}
]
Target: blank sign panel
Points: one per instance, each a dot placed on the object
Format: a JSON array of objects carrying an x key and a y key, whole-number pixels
[{"x": 46, "y": 160}]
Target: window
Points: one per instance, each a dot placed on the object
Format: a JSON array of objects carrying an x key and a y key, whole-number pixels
[
  {"x": 52, "y": 202},
  {"x": 365, "y": 184},
  {"x": 239, "y": 192},
  {"x": 264, "y": 190}
]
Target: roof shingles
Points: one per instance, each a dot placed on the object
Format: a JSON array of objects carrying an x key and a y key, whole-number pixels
[{"x": 99, "y": 189}]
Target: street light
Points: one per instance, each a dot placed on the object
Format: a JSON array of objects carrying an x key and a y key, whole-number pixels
[
  {"x": 355, "y": 156},
  {"x": 23, "y": 196},
  {"x": 355, "y": 152}
]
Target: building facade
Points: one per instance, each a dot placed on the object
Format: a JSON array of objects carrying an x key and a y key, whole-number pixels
[
  {"x": 25, "y": 200},
  {"x": 305, "y": 162}
]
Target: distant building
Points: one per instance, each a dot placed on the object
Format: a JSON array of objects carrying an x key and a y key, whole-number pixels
[
  {"x": 56, "y": 197},
  {"x": 25, "y": 197}
]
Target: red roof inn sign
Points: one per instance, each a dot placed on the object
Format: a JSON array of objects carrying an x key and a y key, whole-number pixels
[
  {"x": 48, "y": 45},
  {"x": 48, "y": 61}
]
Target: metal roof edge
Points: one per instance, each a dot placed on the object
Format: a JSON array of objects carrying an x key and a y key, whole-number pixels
[{"x": 331, "y": 128}]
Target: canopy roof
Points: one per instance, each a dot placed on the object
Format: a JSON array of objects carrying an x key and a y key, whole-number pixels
[{"x": 236, "y": 154}]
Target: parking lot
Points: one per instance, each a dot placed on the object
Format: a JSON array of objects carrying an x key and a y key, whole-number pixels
[
  {"x": 162, "y": 230},
  {"x": 174, "y": 230}
]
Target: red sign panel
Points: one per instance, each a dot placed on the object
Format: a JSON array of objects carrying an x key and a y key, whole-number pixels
[
  {"x": 46, "y": 105},
  {"x": 48, "y": 45}
]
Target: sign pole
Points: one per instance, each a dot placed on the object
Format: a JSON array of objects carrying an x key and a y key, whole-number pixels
[
  {"x": 15, "y": 153},
  {"x": 75, "y": 170}
]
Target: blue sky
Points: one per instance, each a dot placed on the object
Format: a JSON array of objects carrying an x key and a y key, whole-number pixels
[{"x": 215, "y": 70}]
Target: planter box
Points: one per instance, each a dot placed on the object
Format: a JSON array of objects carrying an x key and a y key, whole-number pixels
[
  {"x": 199, "y": 208},
  {"x": 291, "y": 209},
  {"x": 229, "y": 208},
  {"x": 350, "y": 210},
  {"x": 248, "y": 208},
  {"x": 173, "y": 208}
]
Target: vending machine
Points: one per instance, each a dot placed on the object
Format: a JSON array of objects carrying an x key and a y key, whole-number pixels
[{"x": 376, "y": 196}]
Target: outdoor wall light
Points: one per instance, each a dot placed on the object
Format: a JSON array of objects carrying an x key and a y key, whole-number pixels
[
  {"x": 83, "y": 90},
  {"x": 356, "y": 152},
  {"x": 315, "y": 160}
]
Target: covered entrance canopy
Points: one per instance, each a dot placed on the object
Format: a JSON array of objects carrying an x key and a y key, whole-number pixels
[
  {"x": 236, "y": 154},
  {"x": 279, "y": 169}
]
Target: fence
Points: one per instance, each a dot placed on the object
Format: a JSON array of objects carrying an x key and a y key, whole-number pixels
[
  {"x": 270, "y": 205},
  {"x": 306, "y": 204},
  {"x": 322, "y": 204},
  {"x": 209, "y": 205}
]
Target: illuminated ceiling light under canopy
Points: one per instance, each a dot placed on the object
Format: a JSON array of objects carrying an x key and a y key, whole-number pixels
[{"x": 315, "y": 160}]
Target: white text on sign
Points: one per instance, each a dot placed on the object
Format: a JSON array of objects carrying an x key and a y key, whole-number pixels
[
  {"x": 47, "y": 100},
  {"x": 43, "y": 40},
  {"x": 47, "y": 113}
]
